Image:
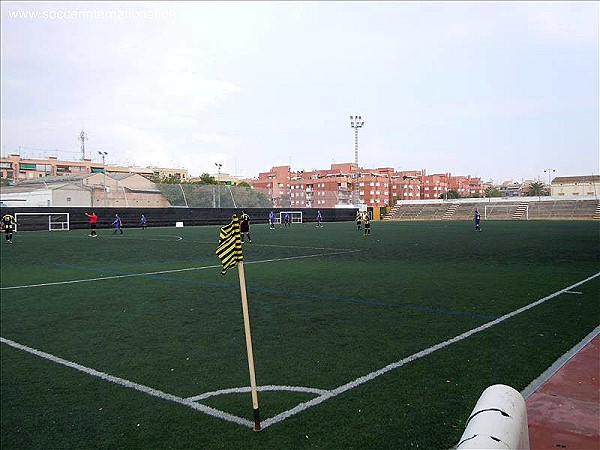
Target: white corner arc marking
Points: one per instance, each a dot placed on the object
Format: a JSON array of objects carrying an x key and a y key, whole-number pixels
[{"x": 323, "y": 395}]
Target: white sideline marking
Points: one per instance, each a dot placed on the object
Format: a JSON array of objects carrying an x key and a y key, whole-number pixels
[
  {"x": 178, "y": 238},
  {"x": 130, "y": 384},
  {"x": 371, "y": 376},
  {"x": 573, "y": 292},
  {"x": 324, "y": 394},
  {"x": 159, "y": 272}
]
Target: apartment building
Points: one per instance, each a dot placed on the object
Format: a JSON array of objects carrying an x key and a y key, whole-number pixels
[
  {"x": 14, "y": 167},
  {"x": 374, "y": 187},
  {"x": 577, "y": 186}
]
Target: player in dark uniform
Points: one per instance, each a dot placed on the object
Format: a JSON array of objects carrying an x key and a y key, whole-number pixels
[
  {"x": 272, "y": 220},
  {"x": 8, "y": 225},
  {"x": 245, "y": 226},
  {"x": 477, "y": 219},
  {"x": 367, "y": 223},
  {"x": 118, "y": 224},
  {"x": 319, "y": 219}
]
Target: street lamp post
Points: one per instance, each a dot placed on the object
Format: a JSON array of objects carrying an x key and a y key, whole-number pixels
[
  {"x": 219, "y": 182},
  {"x": 549, "y": 182},
  {"x": 103, "y": 154},
  {"x": 356, "y": 122}
]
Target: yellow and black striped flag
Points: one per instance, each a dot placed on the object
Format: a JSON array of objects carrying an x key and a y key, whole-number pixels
[{"x": 229, "y": 249}]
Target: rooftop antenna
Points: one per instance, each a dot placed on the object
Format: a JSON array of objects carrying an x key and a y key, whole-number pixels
[{"x": 82, "y": 137}]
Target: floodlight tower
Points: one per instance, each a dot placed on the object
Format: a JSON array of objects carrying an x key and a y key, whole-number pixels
[
  {"x": 219, "y": 181},
  {"x": 103, "y": 154},
  {"x": 82, "y": 137},
  {"x": 549, "y": 182},
  {"x": 356, "y": 122}
]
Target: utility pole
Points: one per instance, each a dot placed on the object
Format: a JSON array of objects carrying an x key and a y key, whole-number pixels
[{"x": 356, "y": 122}]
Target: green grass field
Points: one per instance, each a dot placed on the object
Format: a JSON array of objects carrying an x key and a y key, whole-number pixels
[{"x": 338, "y": 321}]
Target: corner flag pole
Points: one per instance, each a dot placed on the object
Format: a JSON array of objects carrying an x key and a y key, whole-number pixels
[{"x": 249, "y": 345}]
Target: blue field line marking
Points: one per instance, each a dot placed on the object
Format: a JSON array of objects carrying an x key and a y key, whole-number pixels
[
  {"x": 323, "y": 395},
  {"x": 367, "y": 302}
]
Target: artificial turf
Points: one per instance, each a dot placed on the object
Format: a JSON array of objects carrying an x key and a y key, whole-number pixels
[{"x": 327, "y": 306}]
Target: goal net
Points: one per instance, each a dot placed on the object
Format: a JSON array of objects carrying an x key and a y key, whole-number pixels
[
  {"x": 295, "y": 216},
  {"x": 42, "y": 221}
]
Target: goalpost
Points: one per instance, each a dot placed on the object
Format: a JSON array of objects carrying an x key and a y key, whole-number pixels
[
  {"x": 42, "y": 221},
  {"x": 295, "y": 216}
]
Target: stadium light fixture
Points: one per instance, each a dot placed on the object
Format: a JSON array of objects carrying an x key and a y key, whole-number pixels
[
  {"x": 549, "y": 171},
  {"x": 103, "y": 154},
  {"x": 219, "y": 182},
  {"x": 356, "y": 122}
]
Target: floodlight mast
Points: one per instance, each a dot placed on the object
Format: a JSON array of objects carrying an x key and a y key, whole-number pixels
[
  {"x": 549, "y": 172},
  {"x": 219, "y": 182},
  {"x": 103, "y": 154},
  {"x": 356, "y": 122}
]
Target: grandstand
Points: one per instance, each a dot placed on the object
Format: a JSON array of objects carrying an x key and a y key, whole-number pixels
[{"x": 522, "y": 208}]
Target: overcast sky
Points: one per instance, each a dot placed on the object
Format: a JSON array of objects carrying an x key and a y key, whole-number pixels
[{"x": 490, "y": 89}]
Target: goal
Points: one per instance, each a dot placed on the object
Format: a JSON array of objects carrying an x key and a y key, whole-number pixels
[
  {"x": 295, "y": 216},
  {"x": 42, "y": 221}
]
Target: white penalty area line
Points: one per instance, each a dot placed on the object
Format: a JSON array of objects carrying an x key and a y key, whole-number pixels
[
  {"x": 130, "y": 384},
  {"x": 161, "y": 272}
]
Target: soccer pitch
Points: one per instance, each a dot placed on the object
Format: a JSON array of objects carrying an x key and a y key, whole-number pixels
[{"x": 386, "y": 341}]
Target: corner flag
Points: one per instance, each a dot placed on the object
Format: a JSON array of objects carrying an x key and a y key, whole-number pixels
[{"x": 229, "y": 249}]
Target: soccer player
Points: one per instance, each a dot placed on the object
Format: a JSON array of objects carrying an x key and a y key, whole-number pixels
[
  {"x": 245, "y": 226},
  {"x": 93, "y": 222},
  {"x": 272, "y": 220},
  {"x": 118, "y": 224},
  {"x": 477, "y": 219},
  {"x": 367, "y": 223},
  {"x": 8, "y": 225},
  {"x": 358, "y": 220},
  {"x": 143, "y": 222},
  {"x": 319, "y": 219},
  {"x": 286, "y": 220}
]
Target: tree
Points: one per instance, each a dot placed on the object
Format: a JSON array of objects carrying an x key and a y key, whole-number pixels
[
  {"x": 492, "y": 191},
  {"x": 451, "y": 194},
  {"x": 537, "y": 189},
  {"x": 169, "y": 179},
  {"x": 205, "y": 178},
  {"x": 243, "y": 184}
]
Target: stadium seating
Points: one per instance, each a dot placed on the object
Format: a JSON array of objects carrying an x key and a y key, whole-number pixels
[{"x": 499, "y": 210}]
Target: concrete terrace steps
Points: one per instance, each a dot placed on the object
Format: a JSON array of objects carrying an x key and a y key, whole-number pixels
[
  {"x": 597, "y": 212},
  {"x": 517, "y": 209},
  {"x": 450, "y": 211},
  {"x": 520, "y": 212}
]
